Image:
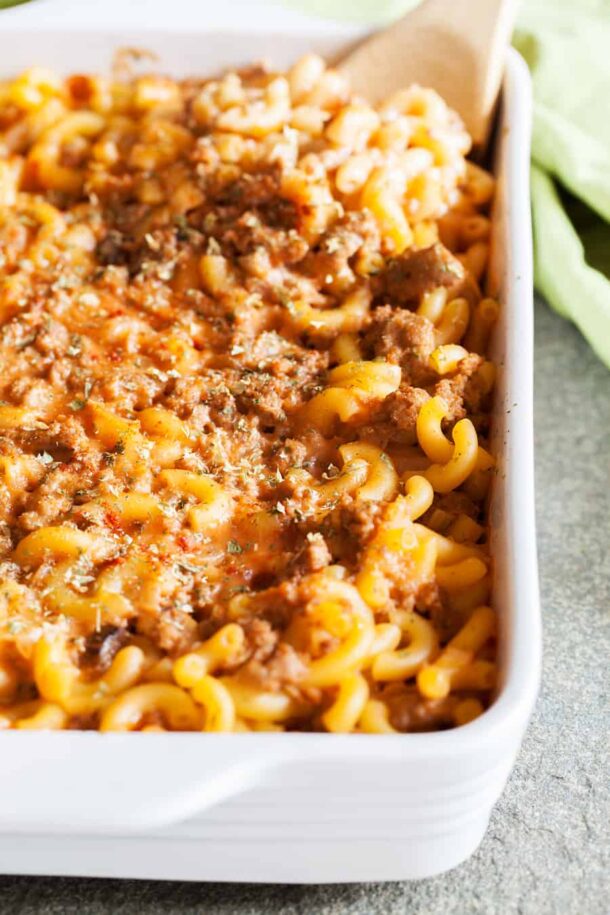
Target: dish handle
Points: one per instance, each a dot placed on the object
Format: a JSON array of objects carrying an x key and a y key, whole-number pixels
[{"x": 85, "y": 782}]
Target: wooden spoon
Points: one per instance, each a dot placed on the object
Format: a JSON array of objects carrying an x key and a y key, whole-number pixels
[{"x": 457, "y": 47}]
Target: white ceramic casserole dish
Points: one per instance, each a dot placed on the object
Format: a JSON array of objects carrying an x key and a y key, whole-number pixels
[{"x": 290, "y": 807}]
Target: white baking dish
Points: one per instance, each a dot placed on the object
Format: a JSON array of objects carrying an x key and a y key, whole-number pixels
[{"x": 290, "y": 807}]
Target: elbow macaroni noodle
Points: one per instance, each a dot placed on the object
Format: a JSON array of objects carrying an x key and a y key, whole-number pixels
[{"x": 229, "y": 502}]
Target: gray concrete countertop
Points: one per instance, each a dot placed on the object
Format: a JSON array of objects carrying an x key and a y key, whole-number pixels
[{"x": 547, "y": 848}]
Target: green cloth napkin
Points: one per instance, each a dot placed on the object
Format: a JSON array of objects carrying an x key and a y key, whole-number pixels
[{"x": 567, "y": 46}]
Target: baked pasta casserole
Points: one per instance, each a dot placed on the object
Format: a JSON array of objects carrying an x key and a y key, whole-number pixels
[{"x": 244, "y": 406}]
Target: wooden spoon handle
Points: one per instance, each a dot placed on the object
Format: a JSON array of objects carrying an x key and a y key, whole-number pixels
[{"x": 455, "y": 46}]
